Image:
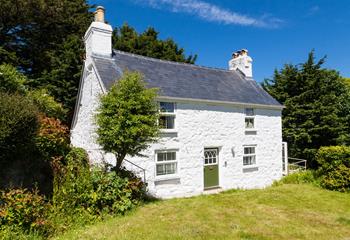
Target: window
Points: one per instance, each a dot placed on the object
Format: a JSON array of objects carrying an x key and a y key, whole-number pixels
[
  {"x": 249, "y": 119},
  {"x": 167, "y": 122},
  {"x": 210, "y": 156},
  {"x": 249, "y": 112},
  {"x": 166, "y": 163},
  {"x": 167, "y": 107},
  {"x": 249, "y": 157},
  {"x": 167, "y": 115}
]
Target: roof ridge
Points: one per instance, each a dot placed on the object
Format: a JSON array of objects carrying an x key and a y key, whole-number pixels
[{"x": 171, "y": 62}]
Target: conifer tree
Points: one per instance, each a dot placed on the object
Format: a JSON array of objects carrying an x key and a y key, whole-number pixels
[
  {"x": 148, "y": 44},
  {"x": 317, "y": 107}
]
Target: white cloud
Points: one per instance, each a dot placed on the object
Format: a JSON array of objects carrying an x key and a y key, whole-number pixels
[{"x": 212, "y": 13}]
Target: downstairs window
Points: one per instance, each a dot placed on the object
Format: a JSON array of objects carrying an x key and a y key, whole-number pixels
[{"x": 166, "y": 163}]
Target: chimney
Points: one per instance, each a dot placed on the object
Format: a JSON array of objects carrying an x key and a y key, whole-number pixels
[
  {"x": 98, "y": 38},
  {"x": 242, "y": 62},
  {"x": 100, "y": 14}
]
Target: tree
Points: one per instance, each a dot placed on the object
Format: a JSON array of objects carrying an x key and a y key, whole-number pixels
[
  {"x": 317, "y": 107},
  {"x": 347, "y": 82},
  {"x": 11, "y": 81},
  {"x": 127, "y": 117},
  {"x": 43, "y": 40},
  {"x": 147, "y": 44}
]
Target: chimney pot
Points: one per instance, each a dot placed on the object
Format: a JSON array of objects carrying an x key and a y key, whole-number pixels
[
  {"x": 242, "y": 62},
  {"x": 100, "y": 14}
]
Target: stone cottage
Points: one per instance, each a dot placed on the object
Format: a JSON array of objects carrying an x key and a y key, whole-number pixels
[{"x": 220, "y": 129}]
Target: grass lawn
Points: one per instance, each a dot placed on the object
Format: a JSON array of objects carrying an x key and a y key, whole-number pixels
[{"x": 287, "y": 211}]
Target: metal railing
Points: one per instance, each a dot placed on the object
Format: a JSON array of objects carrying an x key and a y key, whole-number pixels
[
  {"x": 296, "y": 165},
  {"x": 142, "y": 169}
]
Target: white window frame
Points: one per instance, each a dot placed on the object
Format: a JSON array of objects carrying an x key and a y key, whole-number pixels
[
  {"x": 249, "y": 117},
  {"x": 249, "y": 155},
  {"x": 166, "y": 162},
  {"x": 216, "y": 156},
  {"x": 168, "y": 114}
]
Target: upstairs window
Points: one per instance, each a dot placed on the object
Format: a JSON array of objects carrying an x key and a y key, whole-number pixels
[
  {"x": 166, "y": 163},
  {"x": 249, "y": 118},
  {"x": 249, "y": 156},
  {"x": 167, "y": 115},
  {"x": 167, "y": 107}
]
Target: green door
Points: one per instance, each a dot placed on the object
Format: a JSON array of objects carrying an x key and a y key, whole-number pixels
[{"x": 211, "y": 168}]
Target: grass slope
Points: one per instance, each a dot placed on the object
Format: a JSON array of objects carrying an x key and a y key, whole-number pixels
[{"x": 287, "y": 211}]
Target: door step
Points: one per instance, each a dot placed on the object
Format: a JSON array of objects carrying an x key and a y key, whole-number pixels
[{"x": 212, "y": 190}]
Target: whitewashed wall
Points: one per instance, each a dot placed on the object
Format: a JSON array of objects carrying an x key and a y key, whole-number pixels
[{"x": 198, "y": 126}]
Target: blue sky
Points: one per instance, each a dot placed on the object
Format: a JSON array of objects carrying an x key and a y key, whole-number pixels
[{"x": 274, "y": 31}]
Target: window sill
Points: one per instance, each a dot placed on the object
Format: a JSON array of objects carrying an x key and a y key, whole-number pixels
[
  {"x": 250, "y": 168},
  {"x": 251, "y": 131},
  {"x": 168, "y": 131},
  {"x": 167, "y": 177}
]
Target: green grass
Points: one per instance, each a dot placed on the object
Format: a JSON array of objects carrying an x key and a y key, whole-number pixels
[{"x": 288, "y": 211}]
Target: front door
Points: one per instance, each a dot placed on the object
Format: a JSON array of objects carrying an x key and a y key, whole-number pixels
[{"x": 211, "y": 168}]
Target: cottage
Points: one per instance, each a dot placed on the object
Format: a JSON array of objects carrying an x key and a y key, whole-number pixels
[{"x": 220, "y": 129}]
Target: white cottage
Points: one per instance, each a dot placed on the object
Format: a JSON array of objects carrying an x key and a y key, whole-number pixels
[{"x": 221, "y": 130}]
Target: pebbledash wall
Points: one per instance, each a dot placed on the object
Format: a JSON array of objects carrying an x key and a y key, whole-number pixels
[{"x": 198, "y": 126}]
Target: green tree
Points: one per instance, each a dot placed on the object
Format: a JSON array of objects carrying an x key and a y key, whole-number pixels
[
  {"x": 11, "y": 81},
  {"x": 127, "y": 117},
  {"x": 317, "y": 107},
  {"x": 147, "y": 44},
  {"x": 43, "y": 40},
  {"x": 347, "y": 82}
]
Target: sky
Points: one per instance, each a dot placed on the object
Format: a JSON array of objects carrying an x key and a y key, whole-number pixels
[{"x": 275, "y": 32}]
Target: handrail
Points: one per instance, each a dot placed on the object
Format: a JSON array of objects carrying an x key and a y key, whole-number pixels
[
  {"x": 142, "y": 169},
  {"x": 300, "y": 164},
  {"x": 297, "y": 159}
]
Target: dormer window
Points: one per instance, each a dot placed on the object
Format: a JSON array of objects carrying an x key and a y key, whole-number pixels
[
  {"x": 167, "y": 115},
  {"x": 249, "y": 118}
]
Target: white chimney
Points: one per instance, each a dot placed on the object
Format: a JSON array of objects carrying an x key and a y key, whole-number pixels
[
  {"x": 98, "y": 38},
  {"x": 242, "y": 62}
]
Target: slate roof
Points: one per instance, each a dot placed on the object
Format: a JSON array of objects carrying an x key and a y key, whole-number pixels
[{"x": 180, "y": 80}]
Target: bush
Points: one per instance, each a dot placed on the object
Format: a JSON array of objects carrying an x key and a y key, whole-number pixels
[
  {"x": 334, "y": 168},
  {"x": 338, "y": 179},
  {"x": 11, "y": 81},
  {"x": 23, "y": 209},
  {"x": 47, "y": 104},
  {"x": 53, "y": 138},
  {"x": 331, "y": 157},
  {"x": 18, "y": 121},
  {"x": 95, "y": 191}
]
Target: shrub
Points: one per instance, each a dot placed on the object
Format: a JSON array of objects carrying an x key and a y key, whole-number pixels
[
  {"x": 96, "y": 191},
  {"x": 11, "y": 81},
  {"x": 331, "y": 157},
  {"x": 71, "y": 180},
  {"x": 53, "y": 138},
  {"x": 18, "y": 125},
  {"x": 47, "y": 104},
  {"x": 338, "y": 179},
  {"x": 334, "y": 167},
  {"x": 23, "y": 209}
]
